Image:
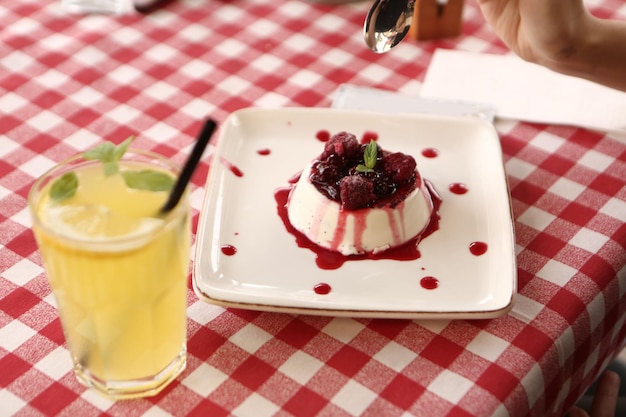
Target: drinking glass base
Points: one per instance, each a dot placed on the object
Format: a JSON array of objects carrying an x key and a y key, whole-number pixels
[{"x": 138, "y": 388}]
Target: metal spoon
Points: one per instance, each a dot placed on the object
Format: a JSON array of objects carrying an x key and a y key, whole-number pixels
[{"x": 387, "y": 23}]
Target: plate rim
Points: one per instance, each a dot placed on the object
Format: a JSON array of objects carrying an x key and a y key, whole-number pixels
[{"x": 356, "y": 313}]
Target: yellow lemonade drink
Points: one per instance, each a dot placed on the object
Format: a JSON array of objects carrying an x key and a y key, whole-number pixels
[{"x": 118, "y": 271}]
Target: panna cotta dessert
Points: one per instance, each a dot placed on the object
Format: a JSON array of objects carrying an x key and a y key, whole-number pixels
[{"x": 358, "y": 199}]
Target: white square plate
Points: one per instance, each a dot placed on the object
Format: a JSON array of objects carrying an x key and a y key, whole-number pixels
[{"x": 270, "y": 272}]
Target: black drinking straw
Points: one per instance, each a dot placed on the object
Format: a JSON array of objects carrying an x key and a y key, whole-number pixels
[{"x": 190, "y": 166}]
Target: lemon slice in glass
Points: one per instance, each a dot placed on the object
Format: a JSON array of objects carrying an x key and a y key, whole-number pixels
[{"x": 95, "y": 222}]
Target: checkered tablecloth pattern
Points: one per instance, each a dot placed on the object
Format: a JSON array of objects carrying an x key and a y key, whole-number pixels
[{"x": 67, "y": 81}]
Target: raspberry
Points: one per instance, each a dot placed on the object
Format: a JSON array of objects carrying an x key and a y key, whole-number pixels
[
  {"x": 399, "y": 166},
  {"x": 356, "y": 192},
  {"x": 324, "y": 173},
  {"x": 343, "y": 144},
  {"x": 383, "y": 185}
]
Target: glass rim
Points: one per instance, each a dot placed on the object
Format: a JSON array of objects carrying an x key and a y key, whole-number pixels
[{"x": 33, "y": 199}]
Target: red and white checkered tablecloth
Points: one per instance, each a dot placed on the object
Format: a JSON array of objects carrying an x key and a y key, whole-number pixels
[{"x": 68, "y": 81}]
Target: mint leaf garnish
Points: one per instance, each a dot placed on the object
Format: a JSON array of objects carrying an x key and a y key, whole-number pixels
[
  {"x": 148, "y": 179},
  {"x": 109, "y": 154},
  {"x": 369, "y": 157},
  {"x": 120, "y": 149},
  {"x": 64, "y": 187}
]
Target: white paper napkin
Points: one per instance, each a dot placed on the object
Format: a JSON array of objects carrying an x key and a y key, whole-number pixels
[
  {"x": 366, "y": 98},
  {"x": 524, "y": 91}
]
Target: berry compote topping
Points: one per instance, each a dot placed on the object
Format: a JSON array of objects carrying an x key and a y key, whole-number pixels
[{"x": 363, "y": 175}]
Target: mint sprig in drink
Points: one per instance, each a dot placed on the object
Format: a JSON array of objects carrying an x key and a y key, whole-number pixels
[{"x": 118, "y": 269}]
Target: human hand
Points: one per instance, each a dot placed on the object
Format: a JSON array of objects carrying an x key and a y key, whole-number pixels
[
  {"x": 538, "y": 31},
  {"x": 604, "y": 400},
  {"x": 562, "y": 35}
]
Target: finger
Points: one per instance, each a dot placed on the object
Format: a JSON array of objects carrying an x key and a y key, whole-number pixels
[
  {"x": 577, "y": 412},
  {"x": 605, "y": 398}
]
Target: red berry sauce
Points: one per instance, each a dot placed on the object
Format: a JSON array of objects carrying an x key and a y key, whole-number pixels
[
  {"x": 231, "y": 167},
  {"x": 263, "y": 152},
  {"x": 369, "y": 135},
  {"x": 322, "y": 288},
  {"x": 430, "y": 153},
  {"x": 323, "y": 135},
  {"x": 327, "y": 259},
  {"x": 228, "y": 250},
  {"x": 295, "y": 178},
  {"x": 478, "y": 248},
  {"x": 458, "y": 188},
  {"x": 429, "y": 283}
]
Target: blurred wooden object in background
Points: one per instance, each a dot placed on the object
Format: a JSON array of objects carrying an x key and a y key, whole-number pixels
[{"x": 433, "y": 19}]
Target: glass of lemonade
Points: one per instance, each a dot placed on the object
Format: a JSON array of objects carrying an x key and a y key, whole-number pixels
[{"x": 118, "y": 271}]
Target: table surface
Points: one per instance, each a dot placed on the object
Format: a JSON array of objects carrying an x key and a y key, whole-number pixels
[{"x": 68, "y": 81}]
